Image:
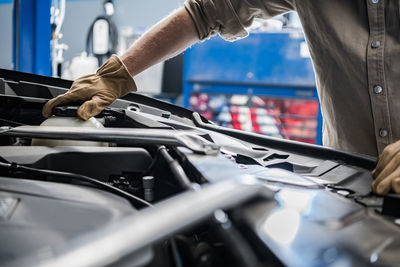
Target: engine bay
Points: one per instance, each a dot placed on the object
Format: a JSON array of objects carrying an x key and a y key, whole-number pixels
[{"x": 158, "y": 185}]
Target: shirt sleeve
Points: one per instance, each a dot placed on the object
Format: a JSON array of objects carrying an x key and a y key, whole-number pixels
[{"x": 229, "y": 18}]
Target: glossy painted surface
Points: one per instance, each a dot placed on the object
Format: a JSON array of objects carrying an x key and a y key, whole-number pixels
[
  {"x": 309, "y": 222},
  {"x": 317, "y": 228},
  {"x": 32, "y": 35}
]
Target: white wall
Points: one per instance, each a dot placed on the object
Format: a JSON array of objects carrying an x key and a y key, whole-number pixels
[
  {"x": 134, "y": 13},
  {"x": 6, "y": 36}
]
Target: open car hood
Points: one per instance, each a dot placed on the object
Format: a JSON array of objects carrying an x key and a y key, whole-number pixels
[{"x": 216, "y": 196}]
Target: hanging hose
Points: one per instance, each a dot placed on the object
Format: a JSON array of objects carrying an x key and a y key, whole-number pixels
[
  {"x": 57, "y": 49},
  {"x": 176, "y": 169},
  {"x": 59, "y": 20}
]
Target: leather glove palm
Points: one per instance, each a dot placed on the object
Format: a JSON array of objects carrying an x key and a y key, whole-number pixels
[
  {"x": 99, "y": 90},
  {"x": 387, "y": 171}
]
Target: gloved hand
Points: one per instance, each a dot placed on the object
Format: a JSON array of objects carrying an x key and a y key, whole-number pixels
[
  {"x": 112, "y": 80},
  {"x": 387, "y": 171}
]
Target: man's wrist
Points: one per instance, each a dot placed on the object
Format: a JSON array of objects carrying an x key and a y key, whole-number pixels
[{"x": 124, "y": 62}]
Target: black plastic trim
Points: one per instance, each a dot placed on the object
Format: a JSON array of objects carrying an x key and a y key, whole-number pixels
[
  {"x": 18, "y": 76},
  {"x": 311, "y": 150}
]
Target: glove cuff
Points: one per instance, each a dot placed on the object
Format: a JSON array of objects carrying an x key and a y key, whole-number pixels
[{"x": 114, "y": 72}]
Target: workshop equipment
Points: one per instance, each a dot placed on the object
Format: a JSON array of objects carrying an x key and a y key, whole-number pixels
[
  {"x": 31, "y": 36},
  {"x": 102, "y": 38},
  {"x": 263, "y": 83}
]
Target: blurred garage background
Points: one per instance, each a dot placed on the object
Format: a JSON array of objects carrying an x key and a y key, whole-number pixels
[{"x": 263, "y": 83}]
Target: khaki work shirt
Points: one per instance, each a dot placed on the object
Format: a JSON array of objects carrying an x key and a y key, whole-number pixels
[{"x": 355, "y": 49}]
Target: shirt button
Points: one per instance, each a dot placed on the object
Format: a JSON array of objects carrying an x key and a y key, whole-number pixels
[
  {"x": 383, "y": 132},
  {"x": 378, "y": 89},
  {"x": 375, "y": 44}
]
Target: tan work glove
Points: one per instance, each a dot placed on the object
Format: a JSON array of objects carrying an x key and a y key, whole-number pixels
[
  {"x": 112, "y": 80},
  {"x": 387, "y": 171}
]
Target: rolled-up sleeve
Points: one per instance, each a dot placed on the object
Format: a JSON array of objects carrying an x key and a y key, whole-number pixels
[{"x": 230, "y": 18}]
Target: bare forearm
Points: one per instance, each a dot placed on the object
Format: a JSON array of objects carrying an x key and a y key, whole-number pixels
[{"x": 166, "y": 39}]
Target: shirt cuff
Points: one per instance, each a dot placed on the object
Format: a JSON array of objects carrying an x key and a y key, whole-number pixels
[{"x": 215, "y": 16}]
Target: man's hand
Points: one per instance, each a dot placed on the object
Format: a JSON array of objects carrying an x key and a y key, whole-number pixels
[
  {"x": 387, "y": 171},
  {"x": 167, "y": 38},
  {"x": 112, "y": 80}
]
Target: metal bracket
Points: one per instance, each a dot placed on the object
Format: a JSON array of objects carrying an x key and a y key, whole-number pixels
[{"x": 187, "y": 139}]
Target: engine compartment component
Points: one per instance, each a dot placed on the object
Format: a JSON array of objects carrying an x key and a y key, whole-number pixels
[
  {"x": 172, "y": 189},
  {"x": 46, "y": 214},
  {"x": 101, "y": 162},
  {"x": 68, "y": 122}
]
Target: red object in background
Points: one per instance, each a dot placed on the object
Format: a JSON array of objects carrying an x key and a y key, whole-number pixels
[
  {"x": 300, "y": 120},
  {"x": 290, "y": 118},
  {"x": 207, "y": 114},
  {"x": 301, "y": 107},
  {"x": 235, "y": 121}
]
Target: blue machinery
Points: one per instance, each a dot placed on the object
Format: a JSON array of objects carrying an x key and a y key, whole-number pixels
[
  {"x": 32, "y": 36},
  {"x": 272, "y": 65}
]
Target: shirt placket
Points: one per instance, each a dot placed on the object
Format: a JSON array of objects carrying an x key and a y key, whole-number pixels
[{"x": 376, "y": 73}]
